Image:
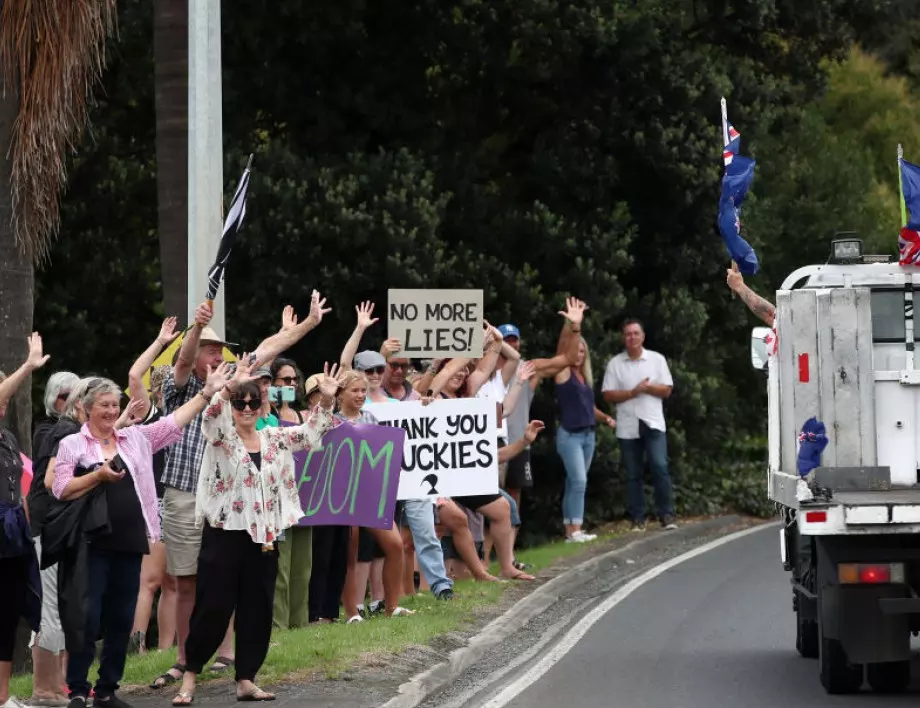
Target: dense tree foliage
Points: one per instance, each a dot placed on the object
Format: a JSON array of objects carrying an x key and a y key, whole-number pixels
[{"x": 531, "y": 148}]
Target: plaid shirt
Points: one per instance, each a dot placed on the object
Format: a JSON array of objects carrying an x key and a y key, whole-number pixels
[{"x": 183, "y": 462}]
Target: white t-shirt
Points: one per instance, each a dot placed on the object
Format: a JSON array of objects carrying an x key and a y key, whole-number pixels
[
  {"x": 623, "y": 374},
  {"x": 494, "y": 390}
]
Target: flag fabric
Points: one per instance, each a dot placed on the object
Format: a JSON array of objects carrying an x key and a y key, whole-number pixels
[
  {"x": 232, "y": 225},
  {"x": 739, "y": 175},
  {"x": 909, "y": 238},
  {"x": 733, "y": 146}
]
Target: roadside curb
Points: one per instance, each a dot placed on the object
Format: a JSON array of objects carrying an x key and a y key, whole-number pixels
[{"x": 422, "y": 686}]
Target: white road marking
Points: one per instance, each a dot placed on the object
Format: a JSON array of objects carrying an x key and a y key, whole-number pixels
[{"x": 571, "y": 638}]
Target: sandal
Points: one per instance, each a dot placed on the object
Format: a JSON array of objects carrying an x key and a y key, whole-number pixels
[
  {"x": 167, "y": 678},
  {"x": 257, "y": 695},
  {"x": 355, "y": 619},
  {"x": 401, "y": 612},
  {"x": 221, "y": 664},
  {"x": 183, "y": 698}
]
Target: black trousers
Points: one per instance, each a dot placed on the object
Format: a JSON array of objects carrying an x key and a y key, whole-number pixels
[
  {"x": 327, "y": 577},
  {"x": 234, "y": 575},
  {"x": 14, "y": 583}
]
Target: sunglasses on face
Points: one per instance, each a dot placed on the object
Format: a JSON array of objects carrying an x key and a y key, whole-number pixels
[
  {"x": 376, "y": 370},
  {"x": 253, "y": 404},
  {"x": 404, "y": 367},
  {"x": 288, "y": 380}
]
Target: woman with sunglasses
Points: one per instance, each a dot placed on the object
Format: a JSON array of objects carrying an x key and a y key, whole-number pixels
[
  {"x": 295, "y": 545},
  {"x": 247, "y": 495}
]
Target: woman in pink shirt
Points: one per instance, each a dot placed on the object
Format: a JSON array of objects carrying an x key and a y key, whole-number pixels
[{"x": 120, "y": 463}]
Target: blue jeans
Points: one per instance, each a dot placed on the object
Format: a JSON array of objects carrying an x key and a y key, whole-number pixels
[
  {"x": 419, "y": 517},
  {"x": 515, "y": 514},
  {"x": 113, "y": 581},
  {"x": 576, "y": 451},
  {"x": 653, "y": 444}
]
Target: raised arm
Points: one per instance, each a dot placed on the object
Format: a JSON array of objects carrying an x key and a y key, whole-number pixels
[
  {"x": 440, "y": 381},
  {"x": 35, "y": 360},
  {"x": 365, "y": 313},
  {"x": 289, "y": 336},
  {"x": 424, "y": 382},
  {"x": 189, "y": 349},
  {"x": 136, "y": 388},
  {"x": 569, "y": 339},
  {"x": 492, "y": 347},
  {"x": 509, "y": 452},
  {"x": 761, "y": 307},
  {"x": 512, "y": 358},
  {"x": 525, "y": 372}
]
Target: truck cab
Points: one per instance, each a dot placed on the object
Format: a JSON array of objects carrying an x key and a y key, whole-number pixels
[{"x": 845, "y": 354}]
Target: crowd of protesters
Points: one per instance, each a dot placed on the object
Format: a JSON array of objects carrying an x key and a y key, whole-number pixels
[{"x": 190, "y": 491}]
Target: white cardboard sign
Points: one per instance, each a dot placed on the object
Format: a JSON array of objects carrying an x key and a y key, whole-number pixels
[
  {"x": 451, "y": 447},
  {"x": 436, "y": 323}
]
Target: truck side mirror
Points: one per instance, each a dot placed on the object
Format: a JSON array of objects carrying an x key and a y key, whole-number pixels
[{"x": 759, "y": 338}]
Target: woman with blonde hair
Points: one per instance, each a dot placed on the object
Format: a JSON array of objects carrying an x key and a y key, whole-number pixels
[
  {"x": 351, "y": 398},
  {"x": 575, "y": 437}
]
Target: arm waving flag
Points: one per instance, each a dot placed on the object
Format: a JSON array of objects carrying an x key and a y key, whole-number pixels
[
  {"x": 739, "y": 173},
  {"x": 232, "y": 225}
]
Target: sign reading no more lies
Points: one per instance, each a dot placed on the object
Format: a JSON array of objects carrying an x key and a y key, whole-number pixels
[{"x": 436, "y": 323}]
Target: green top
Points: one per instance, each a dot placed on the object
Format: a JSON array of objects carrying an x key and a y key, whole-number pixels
[{"x": 269, "y": 421}]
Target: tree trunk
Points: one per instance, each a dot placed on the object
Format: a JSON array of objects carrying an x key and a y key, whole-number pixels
[
  {"x": 16, "y": 285},
  {"x": 170, "y": 47}
]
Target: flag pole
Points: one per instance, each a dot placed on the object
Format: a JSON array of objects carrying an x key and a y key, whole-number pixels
[
  {"x": 901, "y": 186},
  {"x": 725, "y": 141}
]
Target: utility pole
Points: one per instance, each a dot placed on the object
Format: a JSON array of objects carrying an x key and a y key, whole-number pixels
[{"x": 205, "y": 154}]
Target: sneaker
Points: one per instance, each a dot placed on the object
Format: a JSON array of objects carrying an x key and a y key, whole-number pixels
[
  {"x": 351, "y": 620},
  {"x": 446, "y": 594},
  {"x": 637, "y": 526},
  {"x": 669, "y": 523},
  {"x": 377, "y": 607},
  {"x": 577, "y": 537},
  {"x": 75, "y": 702}
]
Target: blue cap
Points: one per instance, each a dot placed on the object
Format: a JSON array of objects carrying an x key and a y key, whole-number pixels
[{"x": 509, "y": 330}]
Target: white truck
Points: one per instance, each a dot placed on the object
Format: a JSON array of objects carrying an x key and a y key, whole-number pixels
[{"x": 851, "y": 534}]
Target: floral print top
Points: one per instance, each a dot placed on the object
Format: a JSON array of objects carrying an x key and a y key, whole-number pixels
[{"x": 236, "y": 495}]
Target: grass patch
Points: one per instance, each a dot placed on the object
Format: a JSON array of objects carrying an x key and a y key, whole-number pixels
[{"x": 331, "y": 648}]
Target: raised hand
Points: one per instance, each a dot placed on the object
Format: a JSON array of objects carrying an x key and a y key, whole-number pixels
[
  {"x": 330, "y": 382},
  {"x": 36, "y": 358},
  {"x": 365, "y": 312},
  {"x": 168, "y": 332},
  {"x": 734, "y": 278},
  {"x": 131, "y": 414},
  {"x": 217, "y": 379},
  {"x": 288, "y": 318},
  {"x": 526, "y": 371},
  {"x": 534, "y": 428},
  {"x": 318, "y": 307},
  {"x": 203, "y": 315},
  {"x": 390, "y": 347},
  {"x": 574, "y": 310}
]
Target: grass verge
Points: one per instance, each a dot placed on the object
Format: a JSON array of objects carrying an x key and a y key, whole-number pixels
[{"x": 328, "y": 649}]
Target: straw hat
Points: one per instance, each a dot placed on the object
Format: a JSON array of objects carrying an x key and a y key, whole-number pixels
[
  {"x": 209, "y": 336},
  {"x": 312, "y": 384}
]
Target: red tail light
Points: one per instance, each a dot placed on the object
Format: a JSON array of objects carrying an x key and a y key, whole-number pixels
[
  {"x": 874, "y": 574},
  {"x": 815, "y": 517},
  {"x": 870, "y": 573}
]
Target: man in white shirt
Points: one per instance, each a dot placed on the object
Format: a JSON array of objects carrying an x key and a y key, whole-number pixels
[{"x": 637, "y": 381}]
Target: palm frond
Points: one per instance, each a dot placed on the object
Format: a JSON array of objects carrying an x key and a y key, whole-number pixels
[{"x": 52, "y": 52}]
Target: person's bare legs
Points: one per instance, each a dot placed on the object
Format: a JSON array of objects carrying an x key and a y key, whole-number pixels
[
  {"x": 226, "y": 650},
  {"x": 457, "y": 523},
  {"x": 166, "y": 613},
  {"x": 408, "y": 562},
  {"x": 153, "y": 570},
  {"x": 390, "y": 542},
  {"x": 377, "y": 593},
  {"x": 499, "y": 515},
  {"x": 6, "y": 670},
  {"x": 47, "y": 676},
  {"x": 185, "y": 603},
  {"x": 356, "y": 588}
]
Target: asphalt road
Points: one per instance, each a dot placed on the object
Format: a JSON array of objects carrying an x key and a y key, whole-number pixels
[{"x": 716, "y": 630}]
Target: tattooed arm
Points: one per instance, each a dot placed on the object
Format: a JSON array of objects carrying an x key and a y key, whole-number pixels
[{"x": 761, "y": 307}]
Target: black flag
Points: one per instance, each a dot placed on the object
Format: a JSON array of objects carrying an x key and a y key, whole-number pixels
[{"x": 232, "y": 225}]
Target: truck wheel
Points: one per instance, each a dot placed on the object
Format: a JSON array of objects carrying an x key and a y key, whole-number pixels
[
  {"x": 889, "y": 677},
  {"x": 838, "y": 675},
  {"x": 806, "y": 636}
]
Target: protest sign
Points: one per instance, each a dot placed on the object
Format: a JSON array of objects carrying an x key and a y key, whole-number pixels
[
  {"x": 451, "y": 447},
  {"x": 352, "y": 479},
  {"x": 436, "y": 323}
]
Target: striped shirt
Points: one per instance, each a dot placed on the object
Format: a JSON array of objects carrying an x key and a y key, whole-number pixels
[
  {"x": 184, "y": 459},
  {"x": 136, "y": 446}
]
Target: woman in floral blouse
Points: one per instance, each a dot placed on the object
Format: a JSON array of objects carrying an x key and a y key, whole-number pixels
[{"x": 247, "y": 495}]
